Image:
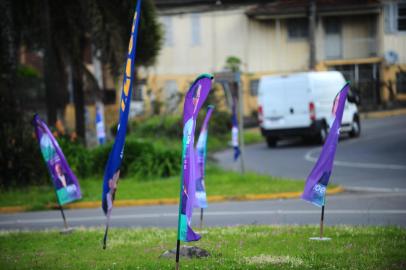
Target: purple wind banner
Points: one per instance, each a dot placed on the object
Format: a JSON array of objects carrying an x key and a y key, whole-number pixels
[
  {"x": 200, "y": 159},
  {"x": 317, "y": 181},
  {"x": 65, "y": 182},
  {"x": 194, "y": 99}
]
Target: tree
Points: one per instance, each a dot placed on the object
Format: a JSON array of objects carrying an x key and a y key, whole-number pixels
[
  {"x": 233, "y": 63},
  {"x": 62, "y": 29}
]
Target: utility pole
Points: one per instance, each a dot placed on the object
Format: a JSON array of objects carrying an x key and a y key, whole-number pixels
[
  {"x": 312, "y": 36},
  {"x": 241, "y": 120}
]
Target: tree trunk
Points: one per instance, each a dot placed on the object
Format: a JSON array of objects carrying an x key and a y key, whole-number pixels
[
  {"x": 79, "y": 100},
  {"x": 8, "y": 46},
  {"x": 50, "y": 66}
]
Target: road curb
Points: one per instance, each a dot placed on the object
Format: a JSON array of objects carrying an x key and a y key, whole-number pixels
[
  {"x": 171, "y": 201},
  {"x": 383, "y": 114}
]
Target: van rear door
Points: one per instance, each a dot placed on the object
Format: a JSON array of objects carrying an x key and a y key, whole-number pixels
[
  {"x": 272, "y": 99},
  {"x": 297, "y": 98}
]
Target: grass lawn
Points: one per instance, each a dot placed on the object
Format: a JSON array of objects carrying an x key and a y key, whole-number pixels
[
  {"x": 218, "y": 182},
  {"x": 242, "y": 247}
]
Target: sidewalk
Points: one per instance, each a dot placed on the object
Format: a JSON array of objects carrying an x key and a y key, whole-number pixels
[{"x": 383, "y": 114}]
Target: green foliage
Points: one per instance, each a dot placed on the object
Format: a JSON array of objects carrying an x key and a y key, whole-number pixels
[
  {"x": 170, "y": 126},
  {"x": 27, "y": 71},
  {"x": 238, "y": 247},
  {"x": 233, "y": 63},
  {"x": 141, "y": 158},
  {"x": 20, "y": 159}
]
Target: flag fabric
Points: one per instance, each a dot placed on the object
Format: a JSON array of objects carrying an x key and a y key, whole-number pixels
[
  {"x": 112, "y": 170},
  {"x": 316, "y": 184},
  {"x": 100, "y": 132},
  {"x": 194, "y": 100},
  {"x": 234, "y": 131},
  {"x": 65, "y": 182},
  {"x": 200, "y": 159}
]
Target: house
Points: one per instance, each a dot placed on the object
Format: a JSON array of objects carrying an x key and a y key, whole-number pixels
[{"x": 364, "y": 39}]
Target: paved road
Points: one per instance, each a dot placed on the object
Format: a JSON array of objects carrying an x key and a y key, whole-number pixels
[
  {"x": 375, "y": 160},
  {"x": 357, "y": 208}
]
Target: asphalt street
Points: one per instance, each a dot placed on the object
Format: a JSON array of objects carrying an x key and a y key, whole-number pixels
[
  {"x": 375, "y": 160},
  {"x": 373, "y": 167},
  {"x": 358, "y": 208}
]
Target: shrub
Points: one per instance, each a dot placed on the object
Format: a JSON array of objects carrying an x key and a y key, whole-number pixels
[
  {"x": 170, "y": 126},
  {"x": 141, "y": 158}
]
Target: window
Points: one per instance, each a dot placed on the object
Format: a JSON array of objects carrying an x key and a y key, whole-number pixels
[
  {"x": 137, "y": 94},
  {"x": 172, "y": 97},
  {"x": 298, "y": 28},
  {"x": 401, "y": 83},
  {"x": 195, "y": 29},
  {"x": 401, "y": 17},
  {"x": 168, "y": 38},
  {"x": 395, "y": 17},
  {"x": 254, "y": 87}
]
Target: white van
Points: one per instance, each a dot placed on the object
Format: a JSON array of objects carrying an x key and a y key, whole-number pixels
[{"x": 300, "y": 105}]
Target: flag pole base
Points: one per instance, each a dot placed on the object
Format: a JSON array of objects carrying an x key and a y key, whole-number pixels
[
  {"x": 320, "y": 238},
  {"x": 68, "y": 230}
]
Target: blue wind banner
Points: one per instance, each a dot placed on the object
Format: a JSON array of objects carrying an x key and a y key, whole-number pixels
[{"x": 112, "y": 170}]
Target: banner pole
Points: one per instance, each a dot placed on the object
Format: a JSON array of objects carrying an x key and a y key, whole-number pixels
[
  {"x": 321, "y": 222},
  {"x": 177, "y": 254},
  {"x": 106, "y": 231},
  {"x": 65, "y": 223},
  {"x": 241, "y": 123},
  {"x": 63, "y": 216},
  {"x": 201, "y": 218}
]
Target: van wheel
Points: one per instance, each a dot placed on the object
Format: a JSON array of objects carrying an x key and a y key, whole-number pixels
[
  {"x": 322, "y": 135},
  {"x": 271, "y": 141},
  {"x": 356, "y": 128}
]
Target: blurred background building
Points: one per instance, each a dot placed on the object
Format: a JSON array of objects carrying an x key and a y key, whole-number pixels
[{"x": 364, "y": 39}]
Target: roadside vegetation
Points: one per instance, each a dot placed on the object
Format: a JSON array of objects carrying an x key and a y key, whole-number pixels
[
  {"x": 150, "y": 169},
  {"x": 240, "y": 247},
  {"x": 133, "y": 187}
]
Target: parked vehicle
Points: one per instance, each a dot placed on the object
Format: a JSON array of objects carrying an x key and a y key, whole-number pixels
[{"x": 300, "y": 105}]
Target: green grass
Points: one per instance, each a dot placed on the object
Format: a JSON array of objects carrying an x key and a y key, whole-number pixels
[
  {"x": 242, "y": 247},
  {"x": 218, "y": 182}
]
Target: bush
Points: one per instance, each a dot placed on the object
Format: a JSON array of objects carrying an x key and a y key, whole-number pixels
[
  {"x": 170, "y": 126},
  {"x": 21, "y": 160},
  {"x": 141, "y": 158}
]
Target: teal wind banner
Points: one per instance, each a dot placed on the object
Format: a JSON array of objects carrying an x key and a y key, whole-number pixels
[{"x": 201, "y": 151}]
